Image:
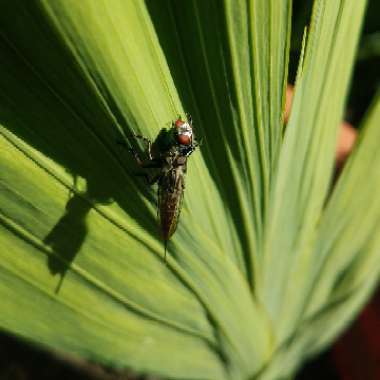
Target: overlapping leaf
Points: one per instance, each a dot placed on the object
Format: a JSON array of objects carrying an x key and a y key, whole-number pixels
[{"x": 306, "y": 161}]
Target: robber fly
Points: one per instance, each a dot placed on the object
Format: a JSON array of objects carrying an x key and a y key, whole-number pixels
[{"x": 169, "y": 153}]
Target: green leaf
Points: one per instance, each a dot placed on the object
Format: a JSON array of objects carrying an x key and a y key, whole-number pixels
[
  {"x": 346, "y": 270},
  {"x": 250, "y": 286},
  {"x": 346, "y": 263},
  {"x": 72, "y": 205},
  {"x": 306, "y": 160}
]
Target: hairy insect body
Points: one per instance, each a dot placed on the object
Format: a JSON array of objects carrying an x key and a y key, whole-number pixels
[
  {"x": 163, "y": 145},
  {"x": 168, "y": 153}
]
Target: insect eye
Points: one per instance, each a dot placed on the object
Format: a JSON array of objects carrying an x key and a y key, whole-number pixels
[{"x": 184, "y": 139}]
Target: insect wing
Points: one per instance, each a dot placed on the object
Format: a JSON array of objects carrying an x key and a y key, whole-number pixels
[{"x": 170, "y": 197}]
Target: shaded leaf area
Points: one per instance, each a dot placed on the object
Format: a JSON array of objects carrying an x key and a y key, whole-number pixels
[
  {"x": 20, "y": 360},
  {"x": 67, "y": 123},
  {"x": 230, "y": 75},
  {"x": 80, "y": 247}
]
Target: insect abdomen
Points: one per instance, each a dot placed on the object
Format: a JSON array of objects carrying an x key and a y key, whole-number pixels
[
  {"x": 170, "y": 194},
  {"x": 169, "y": 210}
]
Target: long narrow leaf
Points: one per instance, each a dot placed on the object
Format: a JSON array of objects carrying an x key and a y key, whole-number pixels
[{"x": 306, "y": 160}]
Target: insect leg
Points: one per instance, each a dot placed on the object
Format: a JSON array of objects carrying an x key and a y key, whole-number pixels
[
  {"x": 198, "y": 142},
  {"x": 123, "y": 144},
  {"x": 189, "y": 118},
  {"x": 154, "y": 179},
  {"x": 149, "y": 180},
  {"x": 147, "y": 142},
  {"x": 151, "y": 163},
  {"x": 136, "y": 157}
]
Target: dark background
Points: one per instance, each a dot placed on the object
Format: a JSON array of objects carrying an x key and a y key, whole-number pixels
[
  {"x": 366, "y": 76},
  {"x": 356, "y": 355}
]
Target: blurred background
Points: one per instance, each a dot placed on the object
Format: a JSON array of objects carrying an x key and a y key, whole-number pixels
[{"x": 355, "y": 356}]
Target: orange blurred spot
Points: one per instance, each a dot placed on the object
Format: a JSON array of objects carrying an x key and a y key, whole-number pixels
[{"x": 347, "y": 134}]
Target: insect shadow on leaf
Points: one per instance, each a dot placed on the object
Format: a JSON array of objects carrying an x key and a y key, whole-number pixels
[
  {"x": 77, "y": 133},
  {"x": 69, "y": 233}
]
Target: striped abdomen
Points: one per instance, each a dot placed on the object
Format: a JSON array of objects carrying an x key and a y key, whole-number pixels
[{"x": 170, "y": 195}]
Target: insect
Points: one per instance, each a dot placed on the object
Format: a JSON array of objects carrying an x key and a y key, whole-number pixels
[{"x": 168, "y": 153}]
